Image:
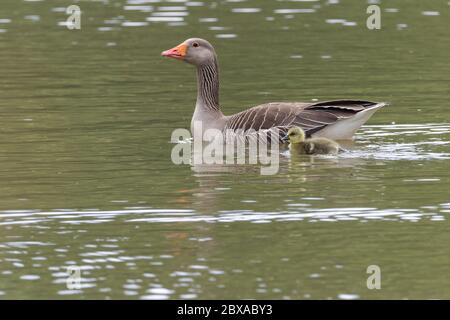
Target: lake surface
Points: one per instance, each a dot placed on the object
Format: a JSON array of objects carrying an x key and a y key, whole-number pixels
[{"x": 86, "y": 177}]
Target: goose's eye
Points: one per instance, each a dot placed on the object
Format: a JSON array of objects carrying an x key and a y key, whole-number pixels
[{"x": 195, "y": 44}]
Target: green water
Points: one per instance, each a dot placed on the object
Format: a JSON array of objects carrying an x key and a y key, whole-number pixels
[{"x": 86, "y": 177}]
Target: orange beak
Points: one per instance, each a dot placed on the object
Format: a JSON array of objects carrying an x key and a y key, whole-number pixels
[{"x": 178, "y": 52}]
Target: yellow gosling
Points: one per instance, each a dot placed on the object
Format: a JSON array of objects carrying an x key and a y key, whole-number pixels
[{"x": 299, "y": 144}]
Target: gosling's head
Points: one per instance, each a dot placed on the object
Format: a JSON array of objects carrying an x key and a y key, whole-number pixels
[
  {"x": 295, "y": 135},
  {"x": 195, "y": 51}
]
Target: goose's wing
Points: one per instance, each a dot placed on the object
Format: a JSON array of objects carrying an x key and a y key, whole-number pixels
[{"x": 311, "y": 117}]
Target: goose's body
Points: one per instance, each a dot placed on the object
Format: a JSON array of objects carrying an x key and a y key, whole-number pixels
[
  {"x": 338, "y": 119},
  {"x": 298, "y": 144}
]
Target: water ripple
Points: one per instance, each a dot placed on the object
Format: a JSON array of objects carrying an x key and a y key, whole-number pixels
[{"x": 292, "y": 213}]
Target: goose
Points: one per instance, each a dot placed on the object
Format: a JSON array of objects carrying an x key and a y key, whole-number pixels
[
  {"x": 336, "y": 119},
  {"x": 300, "y": 145}
]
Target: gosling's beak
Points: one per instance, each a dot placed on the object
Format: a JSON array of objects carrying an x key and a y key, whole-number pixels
[
  {"x": 285, "y": 139},
  {"x": 178, "y": 52}
]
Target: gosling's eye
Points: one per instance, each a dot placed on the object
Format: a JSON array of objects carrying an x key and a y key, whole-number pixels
[{"x": 195, "y": 44}]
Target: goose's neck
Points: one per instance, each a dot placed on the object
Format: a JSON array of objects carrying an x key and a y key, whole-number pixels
[{"x": 208, "y": 87}]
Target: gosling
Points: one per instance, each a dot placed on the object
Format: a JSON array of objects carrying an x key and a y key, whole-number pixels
[{"x": 299, "y": 144}]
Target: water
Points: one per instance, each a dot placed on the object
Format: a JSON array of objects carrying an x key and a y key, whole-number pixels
[{"x": 86, "y": 178}]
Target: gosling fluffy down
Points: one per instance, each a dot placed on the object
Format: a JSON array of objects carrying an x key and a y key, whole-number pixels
[{"x": 298, "y": 143}]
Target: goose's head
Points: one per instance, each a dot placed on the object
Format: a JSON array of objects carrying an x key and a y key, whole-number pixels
[
  {"x": 295, "y": 135},
  {"x": 195, "y": 51}
]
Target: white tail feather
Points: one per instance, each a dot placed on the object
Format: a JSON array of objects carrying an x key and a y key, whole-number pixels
[{"x": 346, "y": 128}]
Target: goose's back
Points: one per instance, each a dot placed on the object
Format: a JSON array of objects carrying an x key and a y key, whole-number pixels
[{"x": 311, "y": 117}]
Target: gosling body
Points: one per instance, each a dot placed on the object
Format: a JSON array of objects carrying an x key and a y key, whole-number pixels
[{"x": 299, "y": 144}]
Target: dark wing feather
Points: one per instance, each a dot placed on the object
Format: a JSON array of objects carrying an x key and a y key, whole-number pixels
[{"x": 311, "y": 117}]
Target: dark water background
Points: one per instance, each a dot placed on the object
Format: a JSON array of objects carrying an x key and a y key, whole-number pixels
[{"x": 86, "y": 177}]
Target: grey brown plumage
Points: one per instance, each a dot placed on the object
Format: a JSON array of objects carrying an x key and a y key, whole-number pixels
[
  {"x": 338, "y": 119},
  {"x": 311, "y": 117}
]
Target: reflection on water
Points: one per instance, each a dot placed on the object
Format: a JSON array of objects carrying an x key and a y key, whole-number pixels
[
  {"x": 86, "y": 178},
  {"x": 294, "y": 211},
  {"x": 369, "y": 146}
]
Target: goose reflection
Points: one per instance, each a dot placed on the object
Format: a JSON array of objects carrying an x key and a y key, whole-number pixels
[{"x": 221, "y": 183}]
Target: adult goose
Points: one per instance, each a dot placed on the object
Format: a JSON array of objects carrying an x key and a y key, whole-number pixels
[{"x": 337, "y": 120}]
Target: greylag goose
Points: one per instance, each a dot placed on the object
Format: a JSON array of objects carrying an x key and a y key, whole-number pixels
[
  {"x": 337, "y": 120},
  {"x": 300, "y": 145}
]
